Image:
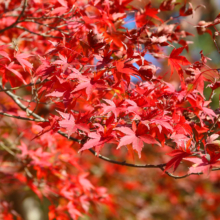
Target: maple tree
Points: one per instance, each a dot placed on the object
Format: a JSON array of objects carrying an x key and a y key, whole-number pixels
[{"x": 75, "y": 79}]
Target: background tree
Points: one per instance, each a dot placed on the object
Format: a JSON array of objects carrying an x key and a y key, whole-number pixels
[{"x": 75, "y": 78}]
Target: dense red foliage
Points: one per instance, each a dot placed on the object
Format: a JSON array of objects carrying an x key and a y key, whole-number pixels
[{"x": 75, "y": 79}]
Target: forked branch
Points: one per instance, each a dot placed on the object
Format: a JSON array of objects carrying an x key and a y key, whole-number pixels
[{"x": 18, "y": 19}]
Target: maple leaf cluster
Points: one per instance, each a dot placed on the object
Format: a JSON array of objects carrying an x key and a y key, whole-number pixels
[{"x": 86, "y": 77}]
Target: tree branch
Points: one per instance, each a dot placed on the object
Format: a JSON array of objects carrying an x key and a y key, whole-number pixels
[
  {"x": 42, "y": 35},
  {"x": 160, "y": 166},
  {"x": 17, "y": 20},
  {"x": 184, "y": 176},
  {"x": 114, "y": 161},
  {"x": 57, "y": 28},
  {"x": 19, "y": 117},
  {"x": 23, "y": 86},
  {"x": 24, "y": 108}
]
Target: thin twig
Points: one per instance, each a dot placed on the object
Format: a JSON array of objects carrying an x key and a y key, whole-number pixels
[
  {"x": 7, "y": 149},
  {"x": 39, "y": 34},
  {"x": 189, "y": 174},
  {"x": 23, "y": 107},
  {"x": 216, "y": 45},
  {"x": 18, "y": 19},
  {"x": 57, "y": 28},
  {"x": 209, "y": 131},
  {"x": 19, "y": 117},
  {"x": 114, "y": 161},
  {"x": 23, "y": 86},
  {"x": 15, "y": 156}
]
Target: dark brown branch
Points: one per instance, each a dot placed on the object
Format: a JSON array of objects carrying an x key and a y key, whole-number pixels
[
  {"x": 17, "y": 20},
  {"x": 19, "y": 117},
  {"x": 33, "y": 101},
  {"x": 17, "y": 158},
  {"x": 24, "y": 108},
  {"x": 184, "y": 176},
  {"x": 48, "y": 26},
  {"x": 160, "y": 166},
  {"x": 123, "y": 163},
  {"x": 23, "y": 86},
  {"x": 42, "y": 35}
]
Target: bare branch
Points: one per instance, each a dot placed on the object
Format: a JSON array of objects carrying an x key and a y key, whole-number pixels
[
  {"x": 123, "y": 163},
  {"x": 19, "y": 117},
  {"x": 184, "y": 176}
]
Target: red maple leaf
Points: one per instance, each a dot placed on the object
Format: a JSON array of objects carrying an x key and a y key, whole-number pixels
[
  {"x": 70, "y": 125},
  {"x": 99, "y": 138},
  {"x": 141, "y": 19},
  {"x": 3, "y": 53},
  {"x": 74, "y": 213},
  {"x": 186, "y": 12},
  {"x": 10, "y": 68},
  {"x": 21, "y": 58},
  {"x": 86, "y": 185},
  {"x": 178, "y": 156},
  {"x": 89, "y": 84},
  {"x": 133, "y": 107},
  {"x": 50, "y": 125},
  {"x": 111, "y": 107},
  {"x": 60, "y": 10},
  {"x": 205, "y": 163},
  {"x": 175, "y": 61},
  {"x": 137, "y": 137},
  {"x": 124, "y": 71},
  {"x": 63, "y": 62}
]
